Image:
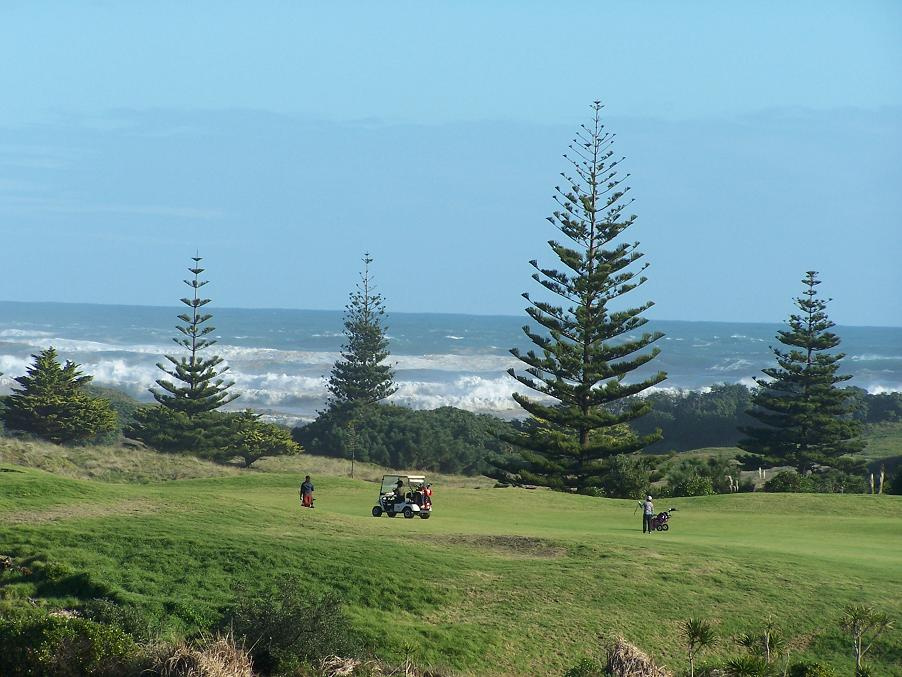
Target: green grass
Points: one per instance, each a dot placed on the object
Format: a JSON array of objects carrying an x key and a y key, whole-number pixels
[{"x": 499, "y": 581}]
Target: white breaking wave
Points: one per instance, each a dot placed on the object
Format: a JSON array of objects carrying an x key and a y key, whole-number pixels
[
  {"x": 473, "y": 393},
  {"x": 23, "y": 333},
  {"x": 870, "y": 357},
  {"x": 240, "y": 354},
  {"x": 731, "y": 365},
  {"x": 454, "y": 362},
  {"x": 884, "y": 390},
  {"x": 11, "y": 365}
]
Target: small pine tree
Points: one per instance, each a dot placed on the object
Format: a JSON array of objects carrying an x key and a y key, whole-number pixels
[
  {"x": 361, "y": 376},
  {"x": 51, "y": 403},
  {"x": 200, "y": 387},
  {"x": 588, "y": 348},
  {"x": 807, "y": 418}
]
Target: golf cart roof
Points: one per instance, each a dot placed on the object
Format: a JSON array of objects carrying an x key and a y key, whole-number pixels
[{"x": 412, "y": 479}]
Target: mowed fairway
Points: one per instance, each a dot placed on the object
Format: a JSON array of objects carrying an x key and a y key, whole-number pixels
[{"x": 499, "y": 581}]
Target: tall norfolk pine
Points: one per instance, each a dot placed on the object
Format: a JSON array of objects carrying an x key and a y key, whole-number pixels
[
  {"x": 198, "y": 385},
  {"x": 807, "y": 418},
  {"x": 588, "y": 348},
  {"x": 360, "y": 375}
]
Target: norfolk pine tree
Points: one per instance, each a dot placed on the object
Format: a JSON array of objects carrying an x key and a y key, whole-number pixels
[
  {"x": 360, "y": 376},
  {"x": 199, "y": 386},
  {"x": 807, "y": 418},
  {"x": 51, "y": 403},
  {"x": 587, "y": 348}
]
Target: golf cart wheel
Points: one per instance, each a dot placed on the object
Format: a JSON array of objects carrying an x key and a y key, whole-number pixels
[
  {"x": 424, "y": 515},
  {"x": 660, "y": 527},
  {"x": 377, "y": 511},
  {"x": 408, "y": 512},
  {"x": 664, "y": 527},
  {"x": 391, "y": 513}
]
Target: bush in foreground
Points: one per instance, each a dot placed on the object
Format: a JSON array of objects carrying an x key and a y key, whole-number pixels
[
  {"x": 288, "y": 627},
  {"x": 34, "y": 642}
]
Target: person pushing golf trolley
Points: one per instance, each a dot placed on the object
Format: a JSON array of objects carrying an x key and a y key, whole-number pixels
[{"x": 650, "y": 521}]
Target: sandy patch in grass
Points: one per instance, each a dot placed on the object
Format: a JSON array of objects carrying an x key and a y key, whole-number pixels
[{"x": 69, "y": 511}]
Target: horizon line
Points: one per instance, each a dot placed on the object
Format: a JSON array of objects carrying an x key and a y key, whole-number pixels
[{"x": 408, "y": 312}]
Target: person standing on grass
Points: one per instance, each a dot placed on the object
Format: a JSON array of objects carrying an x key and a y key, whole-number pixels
[
  {"x": 307, "y": 492},
  {"x": 648, "y": 511}
]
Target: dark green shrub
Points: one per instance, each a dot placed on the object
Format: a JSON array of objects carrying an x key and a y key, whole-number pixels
[
  {"x": 894, "y": 484},
  {"x": 697, "y": 477},
  {"x": 810, "y": 670},
  {"x": 694, "y": 485},
  {"x": 175, "y": 432},
  {"x": 826, "y": 481},
  {"x": 749, "y": 666},
  {"x": 442, "y": 440},
  {"x": 626, "y": 476},
  {"x": 783, "y": 482},
  {"x": 37, "y": 644},
  {"x": 128, "y": 618},
  {"x": 288, "y": 626},
  {"x": 833, "y": 481},
  {"x": 746, "y": 486}
]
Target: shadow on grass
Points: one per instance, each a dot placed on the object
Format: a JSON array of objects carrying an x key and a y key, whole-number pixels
[{"x": 52, "y": 580}]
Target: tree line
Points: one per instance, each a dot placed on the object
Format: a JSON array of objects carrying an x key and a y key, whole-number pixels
[{"x": 587, "y": 419}]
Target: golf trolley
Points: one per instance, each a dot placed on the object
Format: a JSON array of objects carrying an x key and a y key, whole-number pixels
[
  {"x": 408, "y": 495},
  {"x": 659, "y": 521}
]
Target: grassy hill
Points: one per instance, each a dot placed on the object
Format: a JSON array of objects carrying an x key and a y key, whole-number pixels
[{"x": 500, "y": 581}]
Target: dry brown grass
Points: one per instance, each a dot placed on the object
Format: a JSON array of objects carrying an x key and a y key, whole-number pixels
[
  {"x": 219, "y": 656},
  {"x": 114, "y": 463},
  {"x": 107, "y": 463},
  {"x": 306, "y": 464},
  {"x": 626, "y": 660}
]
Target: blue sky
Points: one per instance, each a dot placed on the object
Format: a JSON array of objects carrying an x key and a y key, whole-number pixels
[{"x": 283, "y": 139}]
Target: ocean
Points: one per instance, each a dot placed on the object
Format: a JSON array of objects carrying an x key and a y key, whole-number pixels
[{"x": 279, "y": 359}]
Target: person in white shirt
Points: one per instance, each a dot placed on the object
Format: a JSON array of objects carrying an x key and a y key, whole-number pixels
[{"x": 648, "y": 511}]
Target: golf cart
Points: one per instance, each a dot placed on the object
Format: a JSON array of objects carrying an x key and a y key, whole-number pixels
[{"x": 407, "y": 495}]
